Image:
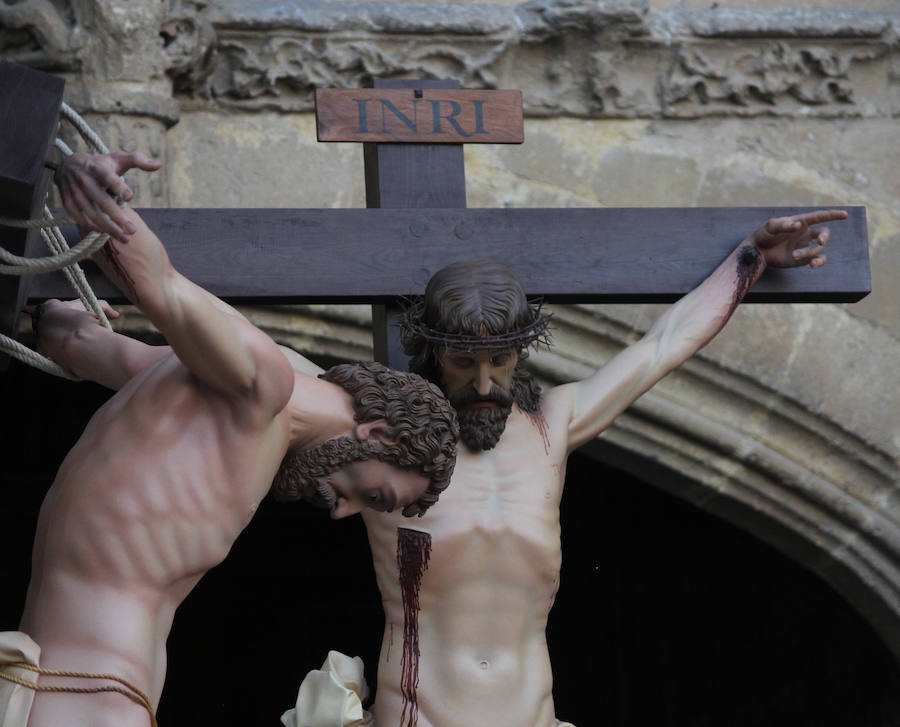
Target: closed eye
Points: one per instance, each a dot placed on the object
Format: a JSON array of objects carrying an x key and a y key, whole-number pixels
[{"x": 461, "y": 363}]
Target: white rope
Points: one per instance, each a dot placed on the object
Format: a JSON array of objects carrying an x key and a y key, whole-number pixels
[
  {"x": 57, "y": 243},
  {"x": 31, "y": 265},
  {"x": 33, "y": 358},
  {"x": 63, "y": 147},
  {"x": 64, "y": 258},
  {"x": 32, "y": 224},
  {"x": 87, "y": 133}
]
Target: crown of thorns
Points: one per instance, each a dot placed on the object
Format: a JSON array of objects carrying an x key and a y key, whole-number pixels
[{"x": 535, "y": 333}]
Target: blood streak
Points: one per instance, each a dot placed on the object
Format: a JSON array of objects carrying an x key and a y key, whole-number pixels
[
  {"x": 537, "y": 418},
  {"x": 749, "y": 267},
  {"x": 413, "y": 553},
  {"x": 112, "y": 257}
]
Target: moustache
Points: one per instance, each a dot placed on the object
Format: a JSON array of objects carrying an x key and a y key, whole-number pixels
[{"x": 499, "y": 396}]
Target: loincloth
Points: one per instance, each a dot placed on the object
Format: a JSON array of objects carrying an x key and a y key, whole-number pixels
[
  {"x": 331, "y": 696},
  {"x": 19, "y": 671}
]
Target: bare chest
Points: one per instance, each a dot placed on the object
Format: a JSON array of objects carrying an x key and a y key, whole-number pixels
[
  {"x": 164, "y": 474},
  {"x": 497, "y": 525}
]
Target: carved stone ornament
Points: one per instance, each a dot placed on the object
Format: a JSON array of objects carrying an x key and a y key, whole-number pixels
[
  {"x": 39, "y": 33},
  {"x": 612, "y": 59},
  {"x": 190, "y": 45}
]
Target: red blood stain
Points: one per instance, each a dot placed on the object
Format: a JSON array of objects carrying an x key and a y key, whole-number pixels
[{"x": 413, "y": 553}]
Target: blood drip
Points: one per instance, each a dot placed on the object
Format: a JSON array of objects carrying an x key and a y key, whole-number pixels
[{"x": 413, "y": 552}]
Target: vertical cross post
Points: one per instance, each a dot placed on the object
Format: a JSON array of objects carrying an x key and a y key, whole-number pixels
[
  {"x": 409, "y": 176},
  {"x": 29, "y": 110}
]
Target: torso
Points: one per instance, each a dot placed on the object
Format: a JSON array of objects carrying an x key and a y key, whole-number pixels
[
  {"x": 154, "y": 493},
  {"x": 492, "y": 578}
]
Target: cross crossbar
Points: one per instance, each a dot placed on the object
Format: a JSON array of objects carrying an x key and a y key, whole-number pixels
[
  {"x": 377, "y": 255},
  {"x": 418, "y": 222}
]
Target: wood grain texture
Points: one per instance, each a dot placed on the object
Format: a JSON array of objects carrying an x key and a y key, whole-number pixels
[
  {"x": 586, "y": 255},
  {"x": 409, "y": 176},
  {"x": 29, "y": 109},
  {"x": 419, "y": 114}
]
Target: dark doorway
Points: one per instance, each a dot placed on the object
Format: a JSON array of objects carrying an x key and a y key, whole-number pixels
[
  {"x": 691, "y": 622},
  {"x": 666, "y": 616}
]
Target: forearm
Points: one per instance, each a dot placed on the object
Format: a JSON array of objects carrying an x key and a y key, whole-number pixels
[
  {"x": 695, "y": 320},
  {"x": 75, "y": 340},
  {"x": 140, "y": 268}
]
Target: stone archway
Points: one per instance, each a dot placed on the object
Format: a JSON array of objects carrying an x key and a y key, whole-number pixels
[{"x": 749, "y": 452}]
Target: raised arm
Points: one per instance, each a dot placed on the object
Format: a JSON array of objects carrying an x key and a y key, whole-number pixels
[
  {"x": 688, "y": 325},
  {"x": 223, "y": 350}
]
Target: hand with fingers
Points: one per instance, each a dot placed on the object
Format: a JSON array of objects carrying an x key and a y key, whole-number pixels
[
  {"x": 788, "y": 242},
  {"x": 88, "y": 184}
]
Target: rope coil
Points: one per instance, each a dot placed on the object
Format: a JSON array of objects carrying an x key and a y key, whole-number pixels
[{"x": 62, "y": 258}]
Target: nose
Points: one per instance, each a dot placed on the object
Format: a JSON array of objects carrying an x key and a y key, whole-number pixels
[
  {"x": 344, "y": 508},
  {"x": 483, "y": 381}
]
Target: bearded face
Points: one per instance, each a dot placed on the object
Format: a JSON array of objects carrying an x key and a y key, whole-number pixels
[
  {"x": 304, "y": 474},
  {"x": 478, "y": 384},
  {"x": 482, "y": 419}
]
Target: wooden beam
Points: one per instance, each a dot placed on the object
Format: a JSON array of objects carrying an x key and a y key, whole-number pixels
[
  {"x": 29, "y": 109},
  {"x": 405, "y": 176},
  {"x": 632, "y": 255}
]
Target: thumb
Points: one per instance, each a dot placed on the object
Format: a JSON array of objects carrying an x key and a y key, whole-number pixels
[{"x": 135, "y": 160}]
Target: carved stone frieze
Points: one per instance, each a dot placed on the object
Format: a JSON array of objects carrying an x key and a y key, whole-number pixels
[
  {"x": 40, "y": 34},
  {"x": 282, "y": 72},
  {"x": 611, "y": 59},
  {"x": 776, "y": 76},
  {"x": 119, "y": 56},
  {"x": 189, "y": 43}
]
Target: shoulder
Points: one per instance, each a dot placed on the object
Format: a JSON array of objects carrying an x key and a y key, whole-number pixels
[{"x": 557, "y": 402}]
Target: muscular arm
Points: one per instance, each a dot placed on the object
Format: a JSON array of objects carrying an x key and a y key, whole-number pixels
[
  {"x": 692, "y": 322},
  {"x": 74, "y": 339},
  {"x": 221, "y": 349}
]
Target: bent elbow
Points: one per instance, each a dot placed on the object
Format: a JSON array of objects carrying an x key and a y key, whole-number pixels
[{"x": 70, "y": 348}]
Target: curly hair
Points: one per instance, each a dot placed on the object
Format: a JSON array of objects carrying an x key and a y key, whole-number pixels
[
  {"x": 422, "y": 431},
  {"x": 472, "y": 305}
]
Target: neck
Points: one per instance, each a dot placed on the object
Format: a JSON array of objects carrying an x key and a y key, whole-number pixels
[{"x": 318, "y": 411}]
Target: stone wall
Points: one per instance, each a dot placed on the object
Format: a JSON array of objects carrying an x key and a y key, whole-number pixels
[{"x": 786, "y": 424}]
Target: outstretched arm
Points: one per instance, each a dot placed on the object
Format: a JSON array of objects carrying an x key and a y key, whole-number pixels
[
  {"x": 688, "y": 325},
  {"x": 223, "y": 350}
]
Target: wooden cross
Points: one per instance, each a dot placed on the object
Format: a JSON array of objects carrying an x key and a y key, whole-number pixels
[{"x": 416, "y": 222}]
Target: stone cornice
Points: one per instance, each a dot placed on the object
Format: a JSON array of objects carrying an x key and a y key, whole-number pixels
[
  {"x": 532, "y": 20},
  {"x": 775, "y": 24},
  {"x": 588, "y": 59}
]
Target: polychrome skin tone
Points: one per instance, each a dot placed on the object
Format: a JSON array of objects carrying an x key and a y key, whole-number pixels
[
  {"x": 495, "y": 555},
  {"x": 169, "y": 471}
]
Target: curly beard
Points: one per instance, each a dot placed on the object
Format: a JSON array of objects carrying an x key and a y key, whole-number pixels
[
  {"x": 480, "y": 427},
  {"x": 304, "y": 474}
]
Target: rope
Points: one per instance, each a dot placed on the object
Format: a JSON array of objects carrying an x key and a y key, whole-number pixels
[
  {"x": 87, "y": 133},
  {"x": 63, "y": 258},
  {"x": 26, "y": 355},
  {"x": 129, "y": 690},
  {"x": 32, "y": 224},
  {"x": 31, "y": 265},
  {"x": 57, "y": 243}
]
